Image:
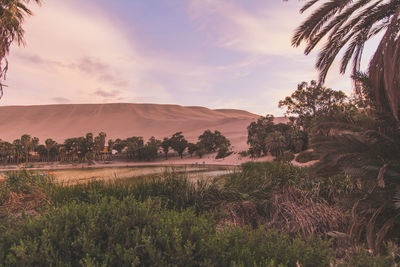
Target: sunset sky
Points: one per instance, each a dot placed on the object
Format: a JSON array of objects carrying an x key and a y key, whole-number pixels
[{"x": 212, "y": 53}]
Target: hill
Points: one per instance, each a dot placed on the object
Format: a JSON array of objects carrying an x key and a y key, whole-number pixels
[{"x": 122, "y": 121}]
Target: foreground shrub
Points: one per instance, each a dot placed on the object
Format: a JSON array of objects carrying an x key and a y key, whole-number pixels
[
  {"x": 128, "y": 232},
  {"x": 363, "y": 258}
]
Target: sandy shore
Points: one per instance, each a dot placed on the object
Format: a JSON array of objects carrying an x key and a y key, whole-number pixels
[
  {"x": 232, "y": 160},
  {"x": 209, "y": 160}
]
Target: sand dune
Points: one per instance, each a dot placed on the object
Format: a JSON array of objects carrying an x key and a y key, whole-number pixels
[{"x": 122, "y": 121}]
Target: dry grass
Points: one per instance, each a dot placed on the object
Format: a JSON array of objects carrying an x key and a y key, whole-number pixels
[
  {"x": 243, "y": 213},
  {"x": 295, "y": 211},
  {"x": 292, "y": 211},
  {"x": 16, "y": 203}
]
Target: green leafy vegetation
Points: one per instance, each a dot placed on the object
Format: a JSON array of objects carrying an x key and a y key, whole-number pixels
[
  {"x": 310, "y": 101},
  {"x": 344, "y": 211},
  {"x": 129, "y": 232},
  {"x": 264, "y": 136},
  {"x": 267, "y": 214}
]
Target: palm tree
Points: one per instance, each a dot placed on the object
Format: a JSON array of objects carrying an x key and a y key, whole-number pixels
[
  {"x": 3, "y": 151},
  {"x": 50, "y": 144},
  {"x": 165, "y": 145},
  {"x": 348, "y": 25},
  {"x": 275, "y": 143},
  {"x": 99, "y": 143},
  {"x": 367, "y": 149},
  {"x": 26, "y": 143},
  {"x": 17, "y": 150},
  {"x": 12, "y": 15}
]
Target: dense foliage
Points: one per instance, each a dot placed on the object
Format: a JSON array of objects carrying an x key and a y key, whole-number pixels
[
  {"x": 127, "y": 232},
  {"x": 310, "y": 101},
  {"x": 168, "y": 220},
  {"x": 265, "y": 136}
]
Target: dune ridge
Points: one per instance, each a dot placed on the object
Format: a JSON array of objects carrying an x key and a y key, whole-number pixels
[{"x": 122, "y": 120}]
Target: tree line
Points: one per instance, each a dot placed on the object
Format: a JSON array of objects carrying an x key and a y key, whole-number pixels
[
  {"x": 89, "y": 148},
  {"x": 306, "y": 108}
]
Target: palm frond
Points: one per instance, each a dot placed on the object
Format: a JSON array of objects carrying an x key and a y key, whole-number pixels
[
  {"x": 348, "y": 25},
  {"x": 12, "y": 15}
]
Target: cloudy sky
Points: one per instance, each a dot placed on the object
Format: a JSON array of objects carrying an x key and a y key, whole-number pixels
[{"x": 212, "y": 53}]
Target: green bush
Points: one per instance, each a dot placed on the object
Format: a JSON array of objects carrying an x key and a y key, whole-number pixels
[
  {"x": 125, "y": 233},
  {"x": 223, "y": 152},
  {"x": 306, "y": 156},
  {"x": 362, "y": 258}
]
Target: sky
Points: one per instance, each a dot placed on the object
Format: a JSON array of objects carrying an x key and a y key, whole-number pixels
[{"x": 213, "y": 53}]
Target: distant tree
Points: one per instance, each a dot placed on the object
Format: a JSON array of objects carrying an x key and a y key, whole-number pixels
[
  {"x": 212, "y": 141},
  {"x": 134, "y": 144},
  {"x": 50, "y": 144},
  {"x": 26, "y": 142},
  {"x": 165, "y": 145},
  {"x": 148, "y": 152},
  {"x": 99, "y": 143},
  {"x": 153, "y": 142},
  {"x": 42, "y": 151},
  {"x": 85, "y": 150},
  {"x": 200, "y": 151},
  {"x": 311, "y": 100},
  {"x": 257, "y": 133},
  {"x": 263, "y": 137},
  {"x": 192, "y": 148},
  {"x": 178, "y": 143},
  {"x": 110, "y": 145},
  {"x": 71, "y": 147},
  {"x": 55, "y": 152},
  {"x": 207, "y": 141},
  {"x": 119, "y": 145},
  {"x": 6, "y": 151},
  {"x": 18, "y": 150},
  {"x": 221, "y": 141},
  {"x": 90, "y": 138}
]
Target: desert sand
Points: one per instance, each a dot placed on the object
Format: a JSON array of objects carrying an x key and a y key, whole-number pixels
[{"x": 123, "y": 120}]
